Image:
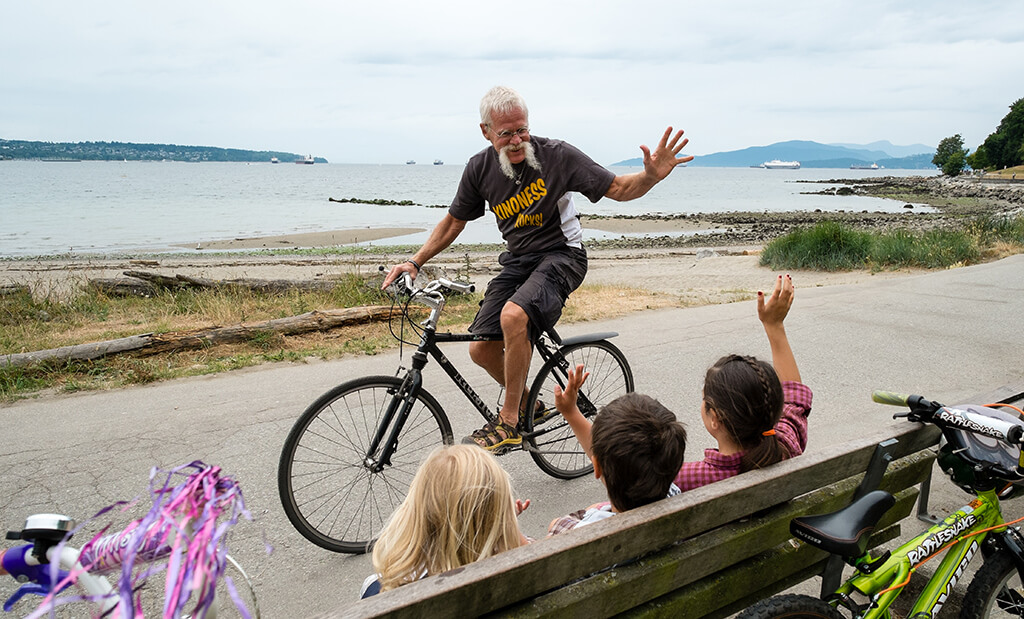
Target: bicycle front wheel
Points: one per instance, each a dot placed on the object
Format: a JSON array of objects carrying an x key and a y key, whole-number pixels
[
  {"x": 328, "y": 485},
  {"x": 996, "y": 590},
  {"x": 552, "y": 444},
  {"x": 791, "y": 607}
]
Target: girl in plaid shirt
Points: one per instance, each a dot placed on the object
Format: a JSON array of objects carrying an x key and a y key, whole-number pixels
[{"x": 755, "y": 411}]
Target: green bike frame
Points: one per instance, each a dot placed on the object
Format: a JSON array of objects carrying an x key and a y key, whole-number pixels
[{"x": 980, "y": 514}]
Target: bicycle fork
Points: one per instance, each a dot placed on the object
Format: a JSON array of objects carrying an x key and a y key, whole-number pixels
[{"x": 395, "y": 416}]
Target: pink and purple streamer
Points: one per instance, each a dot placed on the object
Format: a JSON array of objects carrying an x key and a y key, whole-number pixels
[{"x": 188, "y": 523}]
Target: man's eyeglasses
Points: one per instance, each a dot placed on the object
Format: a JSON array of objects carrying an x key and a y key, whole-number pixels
[{"x": 522, "y": 132}]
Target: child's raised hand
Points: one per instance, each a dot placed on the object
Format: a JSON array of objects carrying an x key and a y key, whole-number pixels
[
  {"x": 773, "y": 310},
  {"x": 521, "y": 506},
  {"x": 565, "y": 400}
]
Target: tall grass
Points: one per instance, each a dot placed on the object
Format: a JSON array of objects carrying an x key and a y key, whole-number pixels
[
  {"x": 999, "y": 228},
  {"x": 31, "y": 324},
  {"x": 828, "y": 246},
  {"x": 832, "y": 246}
]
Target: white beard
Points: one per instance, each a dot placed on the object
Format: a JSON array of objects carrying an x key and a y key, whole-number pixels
[{"x": 506, "y": 164}]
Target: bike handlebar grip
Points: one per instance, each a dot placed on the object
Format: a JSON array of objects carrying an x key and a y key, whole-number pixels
[
  {"x": 891, "y": 398},
  {"x": 19, "y": 563}
]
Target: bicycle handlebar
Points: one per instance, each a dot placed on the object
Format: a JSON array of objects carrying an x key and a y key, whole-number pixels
[
  {"x": 403, "y": 284},
  {"x": 24, "y": 566},
  {"x": 901, "y": 399},
  {"x": 922, "y": 409}
]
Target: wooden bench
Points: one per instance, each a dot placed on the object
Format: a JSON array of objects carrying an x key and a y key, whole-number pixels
[{"x": 708, "y": 553}]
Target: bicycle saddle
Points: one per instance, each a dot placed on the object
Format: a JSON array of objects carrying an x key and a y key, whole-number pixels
[{"x": 844, "y": 532}]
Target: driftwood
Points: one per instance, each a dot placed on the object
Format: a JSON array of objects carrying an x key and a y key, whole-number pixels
[
  {"x": 123, "y": 287},
  {"x": 153, "y": 343},
  {"x": 12, "y": 289},
  {"x": 145, "y": 283}
]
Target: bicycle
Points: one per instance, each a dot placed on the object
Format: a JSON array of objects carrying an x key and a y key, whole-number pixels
[
  {"x": 348, "y": 460},
  {"x": 981, "y": 453},
  {"x": 182, "y": 535}
]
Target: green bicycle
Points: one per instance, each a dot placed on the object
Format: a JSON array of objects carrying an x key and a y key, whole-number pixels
[{"x": 981, "y": 452}]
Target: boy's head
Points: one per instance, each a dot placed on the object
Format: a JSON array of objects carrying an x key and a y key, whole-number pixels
[{"x": 638, "y": 447}]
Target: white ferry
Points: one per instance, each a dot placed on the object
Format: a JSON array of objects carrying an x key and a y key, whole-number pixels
[{"x": 775, "y": 164}]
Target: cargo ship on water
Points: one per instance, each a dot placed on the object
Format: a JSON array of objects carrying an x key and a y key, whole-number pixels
[{"x": 775, "y": 164}]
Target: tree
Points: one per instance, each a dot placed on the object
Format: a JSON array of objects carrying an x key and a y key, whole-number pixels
[
  {"x": 951, "y": 156},
  {"x": 1005, "y": 147},
  {"x": 978, "y": 160}
]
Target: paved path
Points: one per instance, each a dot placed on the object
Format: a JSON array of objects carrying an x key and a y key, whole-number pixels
[{"x": 947, "y": 335}]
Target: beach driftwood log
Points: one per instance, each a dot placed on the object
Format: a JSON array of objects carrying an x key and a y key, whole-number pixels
[
  {"x": 156, "y": 343},
  {"x": 13, "y": 289},
  {"x": 146, "y": 283}
]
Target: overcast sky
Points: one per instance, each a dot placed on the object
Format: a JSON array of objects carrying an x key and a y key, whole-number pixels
[{"x": 383, "y": 81}]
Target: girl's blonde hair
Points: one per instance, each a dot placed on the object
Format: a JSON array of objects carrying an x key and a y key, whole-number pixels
[{"x": 459, "y": 509}]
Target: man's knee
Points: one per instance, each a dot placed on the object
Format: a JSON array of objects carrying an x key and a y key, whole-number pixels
[
  {"x": 484, "y": 352},
  {"x": 514, "y": 320}
]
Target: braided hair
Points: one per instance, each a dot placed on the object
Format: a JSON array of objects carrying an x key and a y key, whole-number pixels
[{"x": 746, "y": 396}]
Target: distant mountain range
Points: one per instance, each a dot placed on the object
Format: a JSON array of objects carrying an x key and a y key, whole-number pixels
[
  {"x": 128, "y": 151},
  {"x": 817, "y": 155}
]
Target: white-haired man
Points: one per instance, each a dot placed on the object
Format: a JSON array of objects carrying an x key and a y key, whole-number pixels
[{"x": 528, "y": 183}]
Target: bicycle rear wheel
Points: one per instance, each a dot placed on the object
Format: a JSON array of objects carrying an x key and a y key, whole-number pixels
[
  {"x": 329, "y": 492},
  {"x": 552, "y": 444}
]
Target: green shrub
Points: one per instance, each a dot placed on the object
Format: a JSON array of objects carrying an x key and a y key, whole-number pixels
[
  {"x": 832, "y": 246},
  {"x": 828, "y": 246}
]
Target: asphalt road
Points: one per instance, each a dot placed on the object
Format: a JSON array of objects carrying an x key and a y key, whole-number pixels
[{"x": 947, "y": 335}]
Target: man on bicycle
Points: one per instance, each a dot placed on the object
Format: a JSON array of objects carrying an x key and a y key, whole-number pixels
[{"x": 528, "y": 183}]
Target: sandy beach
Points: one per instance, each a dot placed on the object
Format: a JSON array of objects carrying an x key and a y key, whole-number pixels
[
  {"x": 696, "y": 275},
  {"x": 330, "y": 238}
]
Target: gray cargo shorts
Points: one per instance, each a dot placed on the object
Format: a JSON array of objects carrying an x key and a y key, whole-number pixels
[{"x": 538, "y": 282}]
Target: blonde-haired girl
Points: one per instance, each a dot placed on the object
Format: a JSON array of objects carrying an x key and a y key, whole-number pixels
[{"x": 459, "y": 509}]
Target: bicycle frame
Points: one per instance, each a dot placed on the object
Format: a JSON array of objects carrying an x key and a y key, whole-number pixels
[
  {"x": 394, "y": 418},
  {"x": 960, "y": 536}
]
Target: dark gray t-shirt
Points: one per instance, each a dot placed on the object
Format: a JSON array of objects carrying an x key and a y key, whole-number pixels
[{"x": 538, "y": 213}]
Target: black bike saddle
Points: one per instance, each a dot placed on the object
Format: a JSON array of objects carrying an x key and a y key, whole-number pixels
[{"x": 844, "y": 532}]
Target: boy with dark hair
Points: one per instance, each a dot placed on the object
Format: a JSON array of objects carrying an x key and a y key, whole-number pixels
[{"x": 636, "y": 445}]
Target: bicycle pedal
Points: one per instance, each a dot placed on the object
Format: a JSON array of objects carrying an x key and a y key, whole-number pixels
[{"x": 504, "y": 449}]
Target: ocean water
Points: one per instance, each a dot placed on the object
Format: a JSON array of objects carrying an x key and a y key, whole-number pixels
[{"x": 49, "y": 208}]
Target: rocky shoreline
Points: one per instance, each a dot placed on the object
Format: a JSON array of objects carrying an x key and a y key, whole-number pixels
[{"x": 954, "y": 198}]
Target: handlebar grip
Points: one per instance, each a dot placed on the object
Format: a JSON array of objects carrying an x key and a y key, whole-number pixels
[{"x": 891, "y": 398}]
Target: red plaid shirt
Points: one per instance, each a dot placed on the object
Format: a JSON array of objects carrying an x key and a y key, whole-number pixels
[{"x": 791, "y": 430}]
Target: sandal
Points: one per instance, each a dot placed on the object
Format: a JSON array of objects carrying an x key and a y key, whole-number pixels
[{"x": 496, "y": 437}]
